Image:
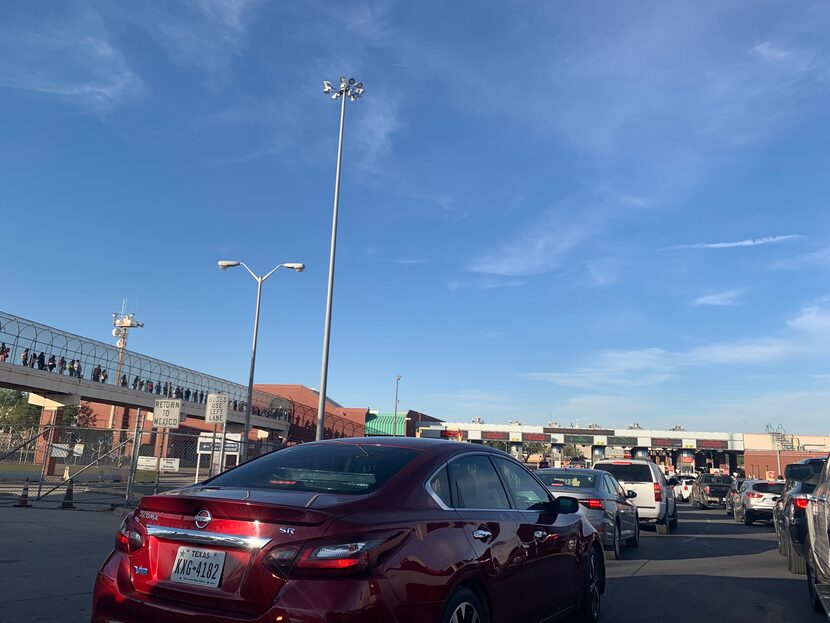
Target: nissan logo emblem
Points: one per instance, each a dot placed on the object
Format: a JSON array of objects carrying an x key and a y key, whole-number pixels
[{"x": 202, "y": 519}]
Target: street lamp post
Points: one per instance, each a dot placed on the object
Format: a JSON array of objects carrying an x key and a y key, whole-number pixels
[
  {"x": 395, "y": 418},
  {"x": 351, "y": 90},
  {"x": 224, "y": 265}
]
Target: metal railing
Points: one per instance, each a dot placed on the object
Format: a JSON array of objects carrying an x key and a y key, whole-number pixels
[{"x": 40, "y": 347}]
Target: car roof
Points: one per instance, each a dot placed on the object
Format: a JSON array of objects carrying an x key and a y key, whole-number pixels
[
  {"x": 415, "y": 443},
  {"x": 626, "y": 462}
]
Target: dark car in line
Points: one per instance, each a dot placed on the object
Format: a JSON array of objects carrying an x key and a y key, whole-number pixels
[
  {"x": 789, "y": 514},
  {"x": 607, "y": 505},
  {"x": 358, "y": 530},
  {"x": 710, "y": 490}
]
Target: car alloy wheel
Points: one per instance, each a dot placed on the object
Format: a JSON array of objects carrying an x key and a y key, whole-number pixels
[
  {"x": 589, "y": 608},
  {"x": 464, "y": 607}
]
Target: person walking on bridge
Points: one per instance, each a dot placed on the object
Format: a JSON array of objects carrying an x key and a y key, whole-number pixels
[
  {"x": 61, "y": 364},
  {"x": 41, "y": 361},
  {"x": 4, "y": 352},
  {"x": 96, "y": 373},
  {"x": 51, "y": 363},
  {"x": 78, "y": 370},
  {"x": 24, "y": 357}
]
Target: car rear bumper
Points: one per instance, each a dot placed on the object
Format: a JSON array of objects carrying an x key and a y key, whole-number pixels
[
  {"x": 797, "y": 530},
  {"x": 653, "y": 513},
  {"x": 367, "y": 601},
  {"x": 760, "y": 513}
]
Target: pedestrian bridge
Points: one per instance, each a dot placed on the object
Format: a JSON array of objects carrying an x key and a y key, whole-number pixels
[{"x": 141, "y": 381}]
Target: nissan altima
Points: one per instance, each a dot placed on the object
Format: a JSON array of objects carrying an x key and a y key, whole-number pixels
[{"x": 354, "y": 531}]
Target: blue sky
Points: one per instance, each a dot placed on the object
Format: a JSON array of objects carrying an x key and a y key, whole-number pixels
[{"x": 569, "y": 211}]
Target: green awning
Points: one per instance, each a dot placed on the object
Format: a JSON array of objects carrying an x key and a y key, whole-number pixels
[{"x": 384, "y": 424}]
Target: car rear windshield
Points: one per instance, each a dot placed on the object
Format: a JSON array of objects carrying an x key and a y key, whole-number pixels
[
  {"x": 328, "y": 468},
  {"x": 775, "y": 488},
  {"x": 565, "y": 478},
  {"x": 716, "y": 479},
  {"x": 627, "y": 472}
]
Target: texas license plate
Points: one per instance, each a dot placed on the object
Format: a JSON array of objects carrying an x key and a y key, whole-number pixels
[{"x": 202, "y": 567}]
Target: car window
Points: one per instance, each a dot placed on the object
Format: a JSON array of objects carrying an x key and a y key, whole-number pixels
[
  {"x": 440, "y": 484},
  {"x": 775, "y": 488},
  {"x": 527, "y": 493},
  {"x": 567, "y": 478},
  {"x": 616, "y": 486},
  {"x": 627, "y": 472},
  {"x": 331, "y": 468},
  {"x": 475, "y": 483}
]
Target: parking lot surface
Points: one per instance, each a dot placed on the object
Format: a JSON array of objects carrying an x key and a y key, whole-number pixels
[{"x": 711, "y": 569}]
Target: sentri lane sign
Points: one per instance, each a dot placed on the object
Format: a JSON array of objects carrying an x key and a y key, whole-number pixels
[{"x": 167, "y": 413}]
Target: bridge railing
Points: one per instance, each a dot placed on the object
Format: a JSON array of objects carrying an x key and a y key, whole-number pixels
[{"x": 52, "y": 350}]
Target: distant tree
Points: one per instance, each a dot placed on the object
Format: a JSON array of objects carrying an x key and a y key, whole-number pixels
[
  {"x": 501, "y": 445},
  {"x": 15, "y": 410},
  {"x": 81, "y": 416},
  {"x": 571, "y": 451},
  {"x": 532, "y": 447}
]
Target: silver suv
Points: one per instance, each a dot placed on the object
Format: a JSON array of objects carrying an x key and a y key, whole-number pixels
[{"x": 655, "y": 495}]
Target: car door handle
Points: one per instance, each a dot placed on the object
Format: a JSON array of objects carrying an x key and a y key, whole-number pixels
[{"x": 482, "y": 535}]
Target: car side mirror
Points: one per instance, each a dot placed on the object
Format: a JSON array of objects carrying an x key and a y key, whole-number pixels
[
  {"x": 566, "y": 505},
  {"x": 630, "y": 494},
  {"x": 799, "y": 472},
  {"x": 673, "y": 482}
]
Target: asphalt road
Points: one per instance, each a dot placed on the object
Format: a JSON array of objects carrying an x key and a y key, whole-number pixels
[{"x": 712, "y": 570}]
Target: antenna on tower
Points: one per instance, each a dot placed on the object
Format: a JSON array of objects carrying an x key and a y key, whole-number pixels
[{"x": 122, "y": 322}]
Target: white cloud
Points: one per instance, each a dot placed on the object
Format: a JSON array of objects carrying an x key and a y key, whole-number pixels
[
  {"x": 73, "y": 59},
  {"x": 727, "y": 298},
  {"x": 601, "y": 273},
  {"x": 374, "y": 125},
  {"x": 541, "y": 246},
  {"x": 650, "y": 366},
  {"x": 751, "y": 242},
  {"x": 817, "y": 259},
  {"x": 208, "y": 34},
  {"x": 812, "y": 320}
]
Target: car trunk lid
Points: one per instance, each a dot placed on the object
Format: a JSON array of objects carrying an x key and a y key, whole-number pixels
[{"x": 228, "y": 531}]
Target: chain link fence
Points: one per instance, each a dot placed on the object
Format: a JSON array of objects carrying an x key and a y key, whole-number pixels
[{"x": 109, "y": 468}]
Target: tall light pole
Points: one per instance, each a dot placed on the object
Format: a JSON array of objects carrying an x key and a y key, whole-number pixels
[
  {"x": 122, "y": 322},
  {"x": 348, "y": 90},
  {"x": 224, "y": 265},
  {"x": 395, "y": 418}
]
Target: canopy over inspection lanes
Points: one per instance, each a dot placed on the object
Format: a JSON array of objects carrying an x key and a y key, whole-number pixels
[{"x": 142, "y": 379}]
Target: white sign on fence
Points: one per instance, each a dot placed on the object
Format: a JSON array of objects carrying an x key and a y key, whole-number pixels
[
  {"x": 166, "y": 413},
  {"x": 147, "y": 463},
  {"x": 217, "y": 409},
  {"x": 169, "y": 465}
]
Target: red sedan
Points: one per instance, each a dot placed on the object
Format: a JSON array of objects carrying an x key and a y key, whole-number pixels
[{"x": 353, "y": 531}]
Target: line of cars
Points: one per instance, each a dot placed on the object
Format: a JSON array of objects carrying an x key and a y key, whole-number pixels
[
  {"x": 381, "y": 529},
  {"x": 617, "y": 496}
]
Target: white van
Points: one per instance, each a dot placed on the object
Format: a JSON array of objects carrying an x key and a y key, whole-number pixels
[{"x": 655, "y": 496}]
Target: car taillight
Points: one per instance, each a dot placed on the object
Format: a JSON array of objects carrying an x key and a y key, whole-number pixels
[
  {"x": 658, "y": 495},
  {"x": 706, "y": 489},
  {"x": 593, "y": 504},
  {"x": 800, "y": 503},
  {"x": 753, "y": 495},
  {"x": 352, "y": 555},
  {"x": 129, "y": 537}
]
